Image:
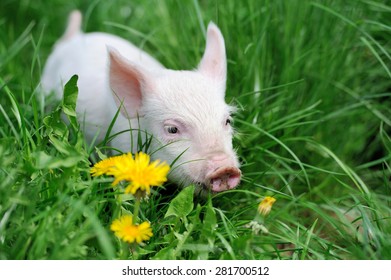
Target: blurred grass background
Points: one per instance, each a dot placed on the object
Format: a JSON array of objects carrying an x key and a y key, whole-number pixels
[{"x": 312, "y": 79}]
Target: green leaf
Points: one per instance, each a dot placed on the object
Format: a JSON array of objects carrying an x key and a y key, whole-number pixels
[
  {"x": 182, "y": 204},
  {"x": 61, "y": 145},
  {"x": 45, "y": 161},
  {"x": 70, "y": 98},
  {"x": 165, "y": 254},
  {"x": 210, "y": 223},
  {"x": 54, "y": 124}
]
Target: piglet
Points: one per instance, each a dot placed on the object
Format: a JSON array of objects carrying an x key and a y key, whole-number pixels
[{"x": 184, "y": 111}]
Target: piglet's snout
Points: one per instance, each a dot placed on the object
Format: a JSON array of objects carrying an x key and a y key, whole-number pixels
[{"x": 225, "y": 176}]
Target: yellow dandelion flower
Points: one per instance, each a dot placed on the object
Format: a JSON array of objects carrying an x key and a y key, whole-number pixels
[
  {"x": 108, "y": 165},
  {"x": 141, "y": 173},
  {"x": 103, "y": 167},
  {"x": 266, "y": 204},
  {"x": 146, "y": 174},
  {"x": 128, "y": 232},
  {"x": 138, "y": 171},
  {"x": 124, "y": 165}
]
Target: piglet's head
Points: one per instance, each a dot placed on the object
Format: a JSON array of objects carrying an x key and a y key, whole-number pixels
[{"x": 186, "y": 113}]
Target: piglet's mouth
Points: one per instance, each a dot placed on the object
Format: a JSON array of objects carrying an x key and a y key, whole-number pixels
[{"x": 223, "y": 178}]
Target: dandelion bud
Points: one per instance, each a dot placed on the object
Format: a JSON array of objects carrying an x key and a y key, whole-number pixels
[{"x": 266, "y": 205}]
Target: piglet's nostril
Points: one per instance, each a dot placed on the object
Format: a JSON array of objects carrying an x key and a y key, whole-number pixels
[{"x": 224, "y": 178}]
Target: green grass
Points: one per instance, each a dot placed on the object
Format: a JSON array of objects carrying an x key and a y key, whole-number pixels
[{"x": 313, "y": 81}]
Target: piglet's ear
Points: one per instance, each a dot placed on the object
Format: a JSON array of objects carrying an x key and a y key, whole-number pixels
[
  {"x": 127, "y": 82},
  {"x": 214, "y": 61}
]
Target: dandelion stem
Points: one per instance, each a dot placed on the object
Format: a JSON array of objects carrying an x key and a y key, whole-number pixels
[
  {"x": 125, "y": 252},
  {"x": 133, "y": 251},
  {"x": 136, "y": 210}
]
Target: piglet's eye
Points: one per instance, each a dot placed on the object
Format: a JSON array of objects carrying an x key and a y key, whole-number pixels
[
  {"x": 228, "y": 121},
  {"x": 172, "y": 129}
]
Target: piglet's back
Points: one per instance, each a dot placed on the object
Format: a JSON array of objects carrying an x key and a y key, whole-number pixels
[{"x": 86, "y": 55}]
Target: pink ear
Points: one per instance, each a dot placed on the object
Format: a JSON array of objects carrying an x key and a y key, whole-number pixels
[
  {"x": 214, "y": 61},
  {"x": 126, "y": 82}
]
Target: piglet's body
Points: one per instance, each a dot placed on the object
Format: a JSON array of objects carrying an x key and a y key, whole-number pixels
[{"x": 184, "y": 111}]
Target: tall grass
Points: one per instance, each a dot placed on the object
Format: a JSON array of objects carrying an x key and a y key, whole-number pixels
[{"x": 312, "y": 80}]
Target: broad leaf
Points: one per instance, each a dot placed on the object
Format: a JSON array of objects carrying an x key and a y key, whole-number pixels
[{"x": 182, "y": 204}]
